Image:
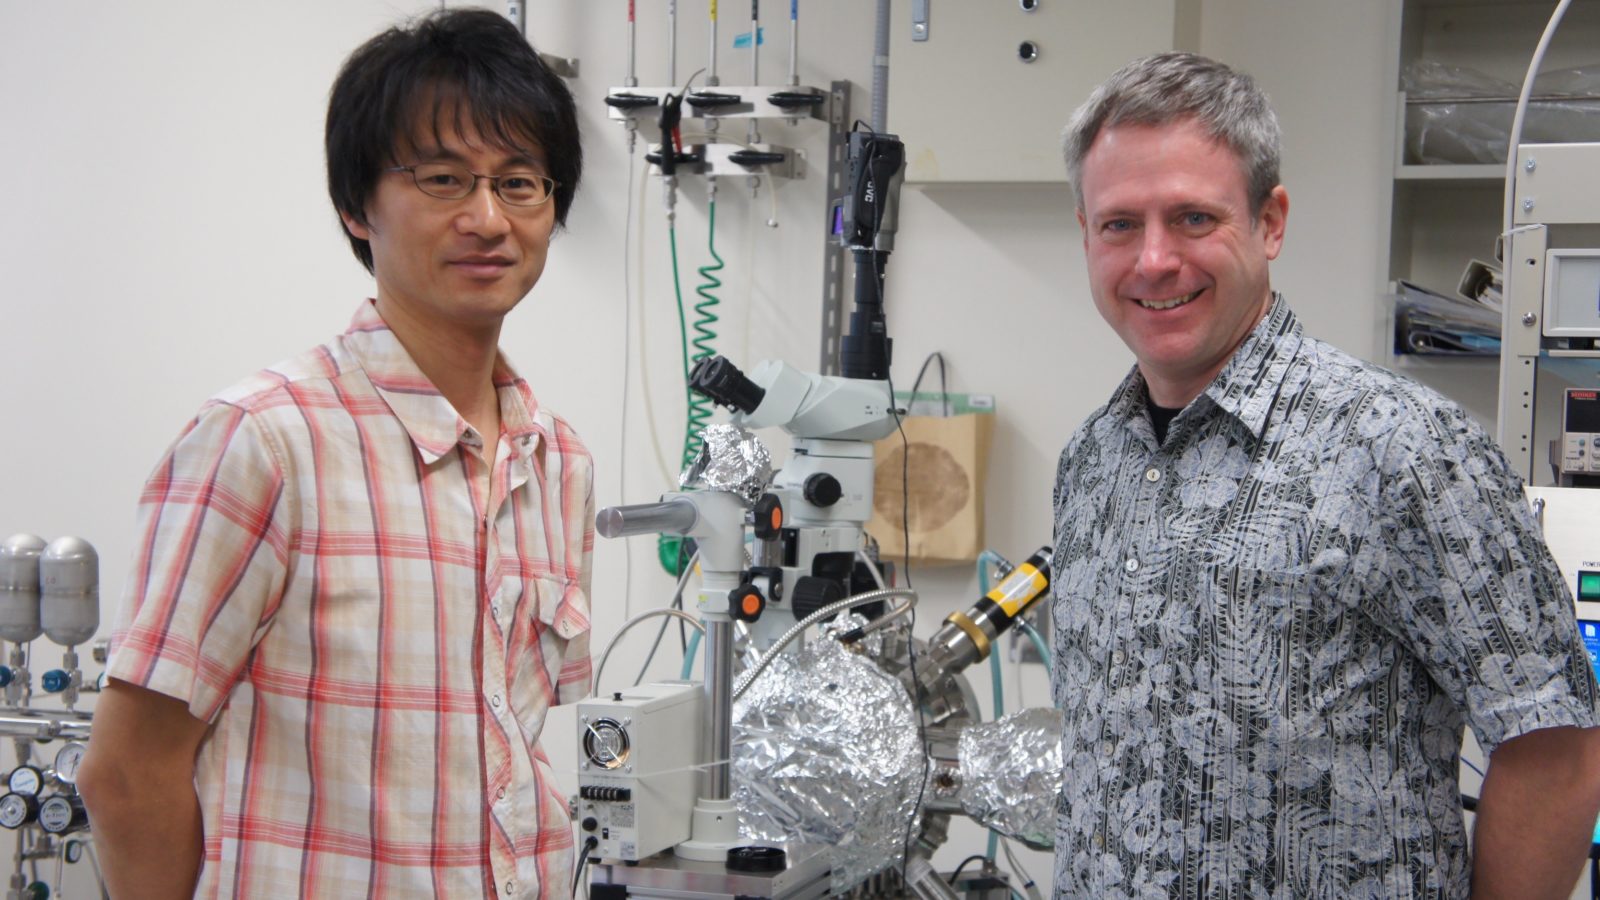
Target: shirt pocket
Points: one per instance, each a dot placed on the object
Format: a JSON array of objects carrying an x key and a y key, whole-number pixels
[{"x": 563, "y": 606}]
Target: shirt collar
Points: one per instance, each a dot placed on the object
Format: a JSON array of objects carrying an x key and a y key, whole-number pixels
[
  {"x": 432, "y": 423},
  {"x": 1247, "y": 384}
]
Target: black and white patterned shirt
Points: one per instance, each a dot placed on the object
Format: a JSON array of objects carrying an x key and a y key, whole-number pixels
[{"x": 1271, "y": 629}]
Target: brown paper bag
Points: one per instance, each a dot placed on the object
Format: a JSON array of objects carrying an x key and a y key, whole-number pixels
[{"x": 948, "y": 458}]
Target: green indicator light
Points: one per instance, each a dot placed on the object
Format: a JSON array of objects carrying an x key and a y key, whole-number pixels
[{"x": 1589, "y": 586}]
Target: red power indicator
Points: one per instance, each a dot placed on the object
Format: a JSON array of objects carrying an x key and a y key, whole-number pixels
[{"x": 1583, "y": 395}]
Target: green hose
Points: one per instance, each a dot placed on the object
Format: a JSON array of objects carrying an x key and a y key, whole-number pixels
[
  {"x": 700, "y": 407},
  {"x": 669, "y": 547}
]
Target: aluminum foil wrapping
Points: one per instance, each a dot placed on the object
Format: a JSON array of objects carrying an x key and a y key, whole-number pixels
[
  {"x": 1011, "y": 774},
  {"x": 826, "y": 752},
  {"x": 731, "y": 459}
]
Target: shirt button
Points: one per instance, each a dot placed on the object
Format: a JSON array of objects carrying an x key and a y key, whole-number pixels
[
  {"x": 495, "y": 608},
  {"x": 1152, "y": 474},
  {"x": 1132, "y": 565},
  {"x": 1117, "y": 657},
  {"x": 501, "y": 794},
  {"x": 1098, "y": 840},
  {"x": 495, "y": 701},
  {"x": 1107, "y": 749},
  {"x": 511, "y": 888}
]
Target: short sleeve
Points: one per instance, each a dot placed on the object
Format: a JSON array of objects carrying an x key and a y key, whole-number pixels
[
  {"x": 576, "y": 679},
  {"x": 1476, "y": 595},
  {"x": 209, "y": 566}
]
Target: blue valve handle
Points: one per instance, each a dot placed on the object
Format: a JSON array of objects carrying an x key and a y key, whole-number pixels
[
  {"x": 7, "y": 675},
  {"x": 56, "y": 680}
]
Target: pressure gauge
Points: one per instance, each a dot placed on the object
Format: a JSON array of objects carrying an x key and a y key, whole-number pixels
[
  {"x": 606, "y": 743},
  {"x": 17, "y": 810},
  {"x": 68, "y": 759},
  {"x": 62, "y": 813},
  {"x": 26, "y": 780}
]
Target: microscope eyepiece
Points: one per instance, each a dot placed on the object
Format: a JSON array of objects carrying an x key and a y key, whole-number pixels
[{"x": 721, "y": 380}]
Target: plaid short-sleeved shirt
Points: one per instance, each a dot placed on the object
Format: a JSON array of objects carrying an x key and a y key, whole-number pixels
[
  {"x": 312, "y": 579},
  {"x": 1272, "y": 627}
]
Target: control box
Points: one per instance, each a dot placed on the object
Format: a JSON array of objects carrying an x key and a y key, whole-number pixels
[
  {"x": 1570, "y": 520},
  {"x": 1580, "y": 429},
  {"x": 638, "y": 768}
]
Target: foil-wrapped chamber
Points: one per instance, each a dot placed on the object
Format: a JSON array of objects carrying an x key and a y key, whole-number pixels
[
  {"x": 731, "y": 459},
  {"x": 826, "y": 751},
  {"x": 1011, "y": 774}
]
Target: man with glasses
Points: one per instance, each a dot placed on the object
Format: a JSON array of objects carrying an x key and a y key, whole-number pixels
[{"x": 363, "y": 573}]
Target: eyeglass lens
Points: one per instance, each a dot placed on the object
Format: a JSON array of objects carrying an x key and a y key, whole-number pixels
[{"x": 449, "y": 182}]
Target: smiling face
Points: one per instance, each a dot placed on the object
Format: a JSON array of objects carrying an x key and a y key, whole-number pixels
[
  {"x": 454, "y": 264},
  {"x": 1177, "y": 263}
]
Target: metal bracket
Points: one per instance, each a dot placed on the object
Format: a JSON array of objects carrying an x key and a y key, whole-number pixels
[
  {"x": 919, "y": 20},
  {"x": 833, "y": 259},
  {"x": 565, "y": 66}
]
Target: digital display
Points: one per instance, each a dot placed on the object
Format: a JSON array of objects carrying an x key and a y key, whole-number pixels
[
  {"x": 1591, "y": 642},
  {"x": 1588, "y": 586},
  {"x": 1583, "y": 411}
]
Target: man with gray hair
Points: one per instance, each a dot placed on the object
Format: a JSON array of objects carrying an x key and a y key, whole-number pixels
[{"x": 1286, "y": 578}]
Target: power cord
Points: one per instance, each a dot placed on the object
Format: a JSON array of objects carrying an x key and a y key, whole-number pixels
[{"x": 583, "y": 860}]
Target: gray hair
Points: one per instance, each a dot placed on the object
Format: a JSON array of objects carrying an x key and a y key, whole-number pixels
[{"x": 1172, "y": 87}]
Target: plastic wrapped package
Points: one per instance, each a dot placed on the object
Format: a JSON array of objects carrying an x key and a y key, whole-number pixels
[
  {"x": 826, "y": 751},
  {"x": 1011, "y": 774},
  {"x": 1455, "y": 114}
]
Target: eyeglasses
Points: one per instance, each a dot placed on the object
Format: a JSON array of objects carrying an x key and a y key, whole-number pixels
[{"x": 448, "y": 182}]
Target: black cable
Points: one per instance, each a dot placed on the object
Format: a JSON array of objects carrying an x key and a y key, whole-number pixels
[
  {"x": 922, "y": 738},
  {"x": 944, "y": 389},
  {"x": 964, "y": 863},
  {"x": 583, "y": 860}
]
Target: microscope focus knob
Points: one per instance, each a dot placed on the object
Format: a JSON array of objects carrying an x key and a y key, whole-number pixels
[
  {"x": 812, "y": 593},
  {"x": 745, "y": 603},
  {"x": 822, "y": 489},
  {"x": 55, "y": 681},
  {"x": 766, "y": 517}
]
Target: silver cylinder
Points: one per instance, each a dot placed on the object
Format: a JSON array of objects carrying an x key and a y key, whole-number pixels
[
  {"x": 794, "y": 43},
  {"x": 631, "y": 80},
  {"x": 69, "y": 580},
  {"x": 675, "y": 516},
  {"x": 880, "y": 70},
  {"x": 718, "y": 735},
  {"x": 19, "y": 588},
  {"x": 711, "y": 67}
]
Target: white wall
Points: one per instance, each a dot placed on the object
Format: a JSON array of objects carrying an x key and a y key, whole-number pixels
[{"x": 165, "y": 231}]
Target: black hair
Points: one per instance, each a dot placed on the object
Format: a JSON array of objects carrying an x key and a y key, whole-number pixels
[{"x": 456, "y": 64}]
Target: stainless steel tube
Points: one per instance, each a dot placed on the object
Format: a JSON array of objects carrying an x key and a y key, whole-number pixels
[
  {"x": 672, "y": 41},
  {"x": 794, "y": 42},
  {"x": 633, "y": 44},
  {"x": 56, "y": 724},
  {"x": 719, "y": 705},
  {"x": 711, "y": 67},
  {"x": 675, "y": 516},
  {"x": 880, "y": 70}
]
